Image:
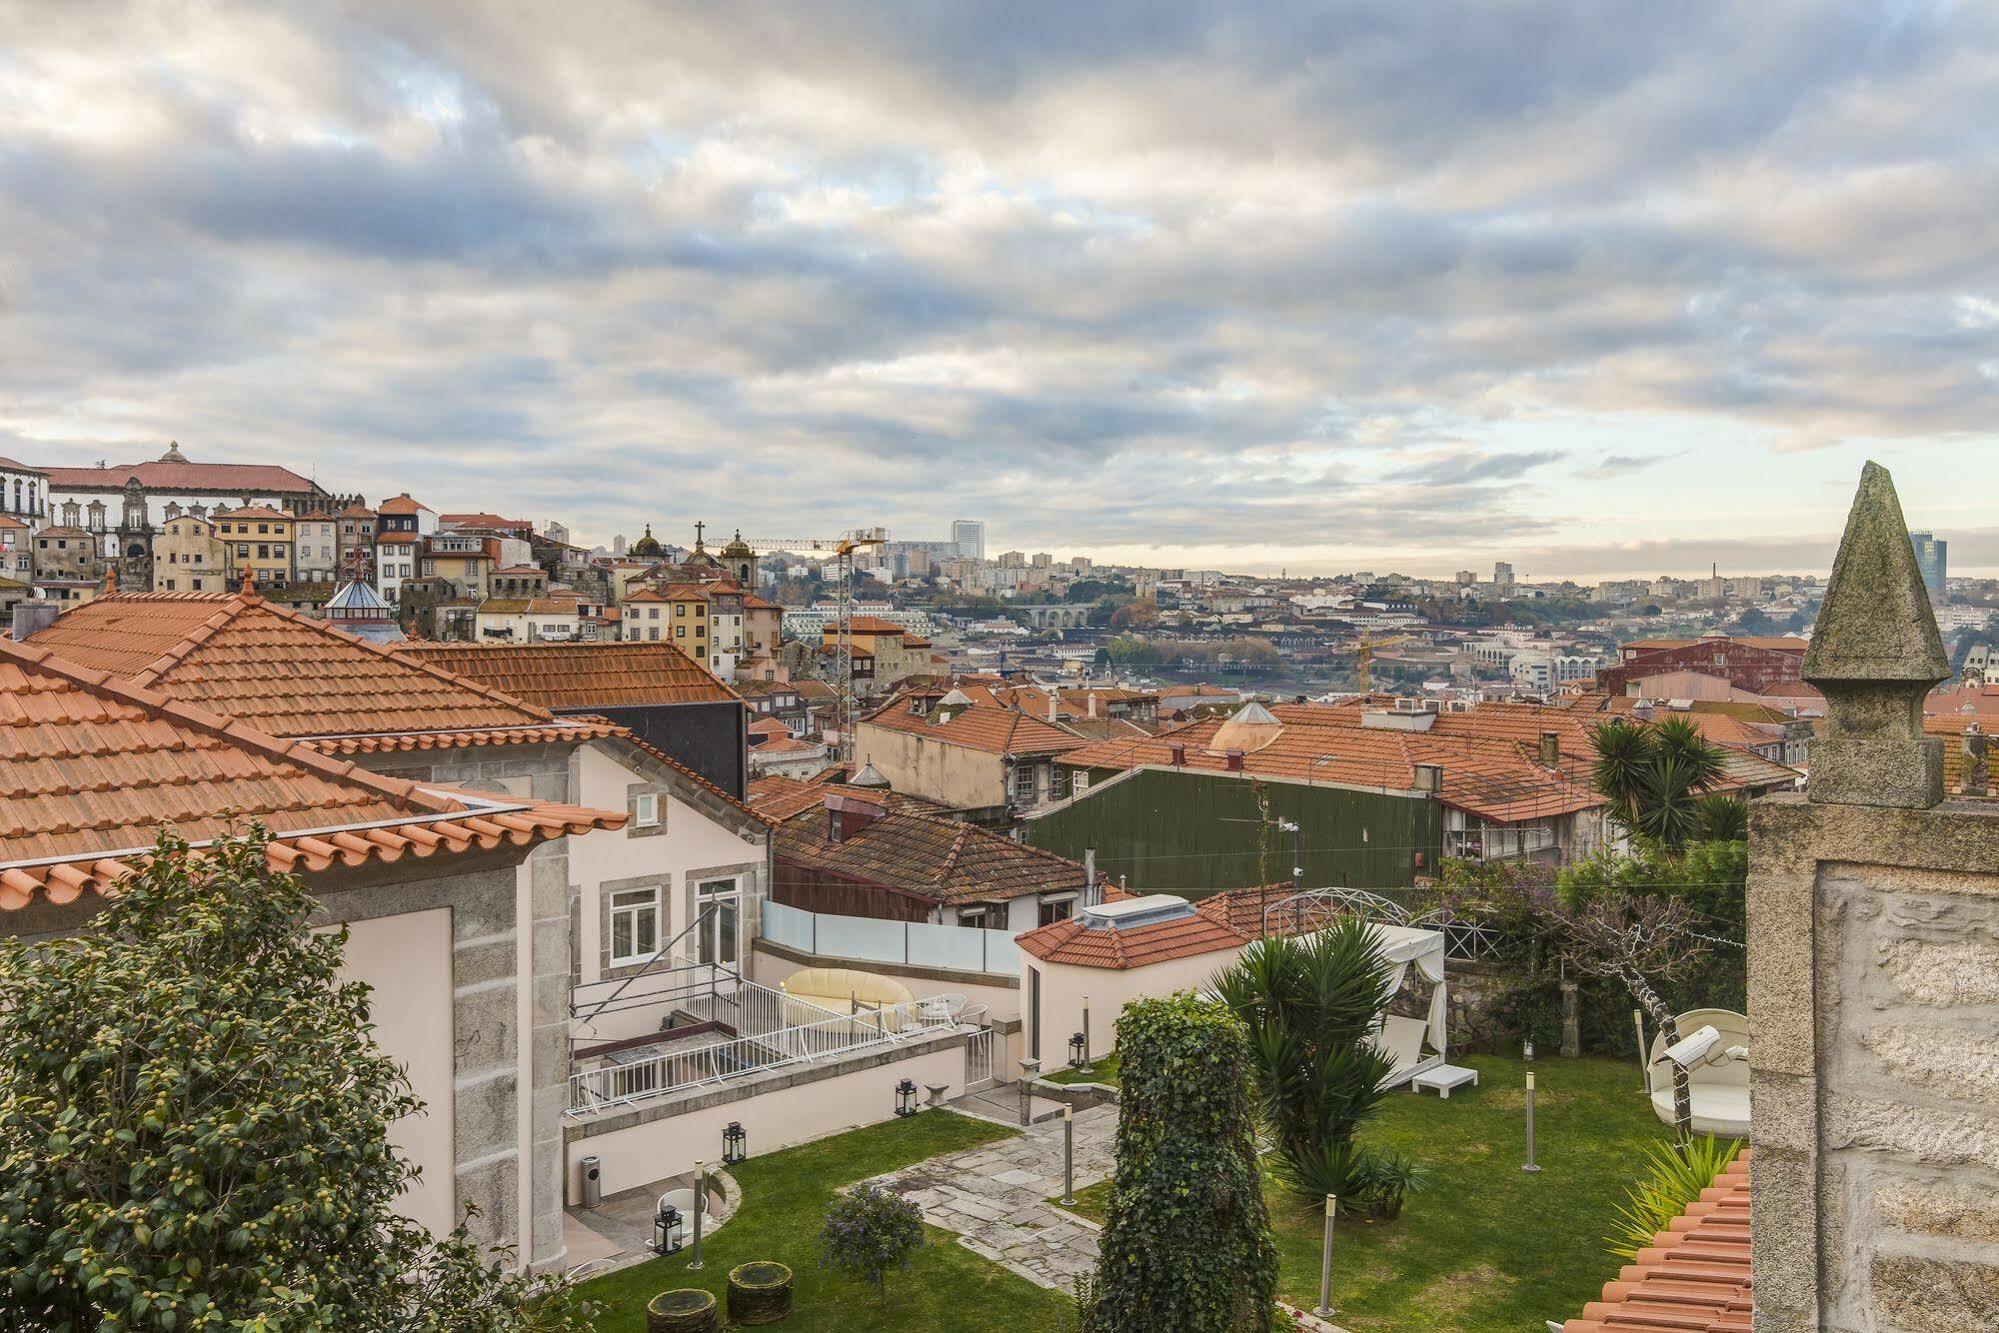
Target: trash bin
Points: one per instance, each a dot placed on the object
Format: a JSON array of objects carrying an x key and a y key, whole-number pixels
[{"x": 593, "y": 1184}]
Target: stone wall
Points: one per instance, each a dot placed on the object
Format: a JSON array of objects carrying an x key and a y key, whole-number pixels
[
  {"x": 1874, "y": 1003},
  {"x": 540, "y": 969}
]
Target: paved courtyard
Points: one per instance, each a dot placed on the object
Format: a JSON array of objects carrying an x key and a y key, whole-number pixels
[{"x": 995, "y": 1197}]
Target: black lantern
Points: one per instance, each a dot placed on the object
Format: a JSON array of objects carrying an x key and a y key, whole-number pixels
[
  {"x": 905, "y": 1097},
  {"x": 1079, "y": 1051},
  {"x": 669, "y": 1233},
  {"x": 733, "y": 1139}
]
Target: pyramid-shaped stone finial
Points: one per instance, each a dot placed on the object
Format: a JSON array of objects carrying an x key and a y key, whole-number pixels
[{"x": 1875, "y": 653}]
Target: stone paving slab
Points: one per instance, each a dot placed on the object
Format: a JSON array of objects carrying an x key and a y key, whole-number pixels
[{"x": 995, "y": 1197}]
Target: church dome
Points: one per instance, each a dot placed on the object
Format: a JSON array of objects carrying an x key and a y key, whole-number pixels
[
  {"x": 646, "y": 545},
  {"x": 737, "y": 549}
]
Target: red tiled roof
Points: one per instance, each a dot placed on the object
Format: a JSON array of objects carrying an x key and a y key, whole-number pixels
[
  {"x": 402, "y": 504},
  {"x": 1490, "y": 756},
  {"x": 873, "y": 625},
  {"x": 985, "y": 727},
  {"x": 944, "y": 860},
  {"x": 397, "y": 538},
  {"x": 226, "y": 478},
  {"x": 264, "y": 512},
  {"x": 291, "y": 675},
  {"x": 566, "y": 676},
  {"x": 481, "y": 521},
  {"x": 1076, "y": 944},
  {"x": 91, "y": 767},
  {"x": 1695, "y": 1276}
]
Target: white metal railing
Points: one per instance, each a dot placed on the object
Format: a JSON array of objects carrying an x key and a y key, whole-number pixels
[
  {"x": 775, "y": 1047},
  {"x": 910, "y": 943}
]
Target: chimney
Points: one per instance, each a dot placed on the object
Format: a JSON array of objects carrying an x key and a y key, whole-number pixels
[
  {"x": 847, "y": 815},
  {"x": 1429, "y": 777},
  {"x": 1551, "y": 749},
  {"x": 1232, "y": 760},
  {"x": 1176, "y": 753},
  {"x": 1054, "y": 703},
  {"x": 1977, "y": 779},
  {"x": 1093, "y": 703}
]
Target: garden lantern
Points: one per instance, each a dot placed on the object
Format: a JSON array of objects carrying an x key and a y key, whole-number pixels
[
  {"x": 733, "y": 1139},
  {"x": 1079, "y": 1051},
  {"x": 669, "y": 1233},
  {"x": 905, "y": 1097}
]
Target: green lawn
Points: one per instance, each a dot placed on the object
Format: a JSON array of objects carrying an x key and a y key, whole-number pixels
[
  {"x": 1103, "y": 1071},
  {"x": 784, "y": 1201},
  {"x": 1487, "y": 1248}
]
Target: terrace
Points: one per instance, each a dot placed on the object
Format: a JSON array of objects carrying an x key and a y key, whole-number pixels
[{"x": 715, "y": 1027}]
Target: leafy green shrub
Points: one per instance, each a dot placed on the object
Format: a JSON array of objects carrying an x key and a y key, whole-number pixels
[
  {"x": 1309, "y": 1003},
  {"x": 1186, "y": 1244},
  {"x": 194, "y": 1126},
  {"x": 1387, "y": 1179},
  {"x": 869, "y": 1231},
  {"x": 1671, "y": 1182}
]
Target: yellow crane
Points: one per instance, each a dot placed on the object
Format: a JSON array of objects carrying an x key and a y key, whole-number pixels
[
  {"x": 1369, "y": 645},
  {"x": 842, "y": 549}
]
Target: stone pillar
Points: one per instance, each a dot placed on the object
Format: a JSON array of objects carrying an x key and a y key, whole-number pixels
[
  {"x": 1572, "y": 1021},
  {"x": 1873, "y": 984}
]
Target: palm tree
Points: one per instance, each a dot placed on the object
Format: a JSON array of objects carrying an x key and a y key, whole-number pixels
[
  {"x": 1310, "y": 1003},
  {"x": 1655, "y": 776}
]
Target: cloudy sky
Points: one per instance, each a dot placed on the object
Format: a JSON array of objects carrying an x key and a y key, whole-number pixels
[{"x": 1600, "y": 287}]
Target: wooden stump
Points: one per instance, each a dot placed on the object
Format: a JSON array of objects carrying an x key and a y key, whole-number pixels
[
  {"x": 683, "y": 1310},
  {"x": 759, "y": 1292}
]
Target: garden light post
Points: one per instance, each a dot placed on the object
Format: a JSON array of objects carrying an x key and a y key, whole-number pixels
[
  {"x": 700, "y": 1193},
  {"x": 1086, "y": 1034},
  {"x": 1530, "y": 1168},
  {"x": 1068, "y": 1154},
  {"x": 1325, "y": 1310},
  {"x": 1028, "y": 1069}
]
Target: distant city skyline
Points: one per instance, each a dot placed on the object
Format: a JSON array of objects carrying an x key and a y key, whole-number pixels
[{"x": 1599, "y": 290}]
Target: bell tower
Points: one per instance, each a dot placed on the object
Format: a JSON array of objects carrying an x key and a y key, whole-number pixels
[{"x": 133, "y": 542}]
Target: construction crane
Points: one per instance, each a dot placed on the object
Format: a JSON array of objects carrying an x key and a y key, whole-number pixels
[
  {"x": 1369, "y": 645},
  {"x": 842, "y": 549}
]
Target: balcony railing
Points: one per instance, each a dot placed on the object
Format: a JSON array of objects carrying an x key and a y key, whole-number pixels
[{"x": 776, "y": 1044}]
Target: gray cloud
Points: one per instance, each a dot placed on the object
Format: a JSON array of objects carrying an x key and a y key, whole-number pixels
[{"x": 1111, "y": 274}]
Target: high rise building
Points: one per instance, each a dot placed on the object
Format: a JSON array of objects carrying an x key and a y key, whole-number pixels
[
  {"x": 1502, "y": 575},
  {"x": 969, "y": 536},
  {"x": 1933, "y": 558}
]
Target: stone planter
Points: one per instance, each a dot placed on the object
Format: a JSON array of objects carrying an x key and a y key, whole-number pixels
[
  {"x": 759, "y": 1292},
  {"x": 685, "y": 1310}
]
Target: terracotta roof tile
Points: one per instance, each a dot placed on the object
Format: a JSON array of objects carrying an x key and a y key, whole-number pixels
[
  {"x": 944, "y": 860},
  {"x": 1076, "y": 944},
  {"x": 227, "y": 478},
  {"x": 1490, "y": 756},
  {"x": 402, "y": 505},
  {"x": 567, "y": 677},
  {"x": 91, "y": 766},
  {"x": 983, "y": 726},
  {"x": 1694, "y": 1278},
  {"x": 291, "y": 675}
]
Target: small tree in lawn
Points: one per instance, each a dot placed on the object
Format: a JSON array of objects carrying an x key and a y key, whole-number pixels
[
  {"x": 194, "y": 1126},
  {"x": 868, "y": 1232},
  {"x": 1186, "y": 1246},
  {"x": 1640, "y": 941}
]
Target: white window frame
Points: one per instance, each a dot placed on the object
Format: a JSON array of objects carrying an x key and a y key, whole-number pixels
[
  {"x": 1063, "y": 900},
  {"x": 638, "y": 905},
  {"x": 645, "y": 810},
  {"x": 728, "y": 889}
]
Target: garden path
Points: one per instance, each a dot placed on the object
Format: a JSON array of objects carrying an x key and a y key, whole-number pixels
[{"x": 996, "y": 1197}]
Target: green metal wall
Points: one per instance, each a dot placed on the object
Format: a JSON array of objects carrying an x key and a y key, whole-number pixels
[{"x": 1197, "y": 832}]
